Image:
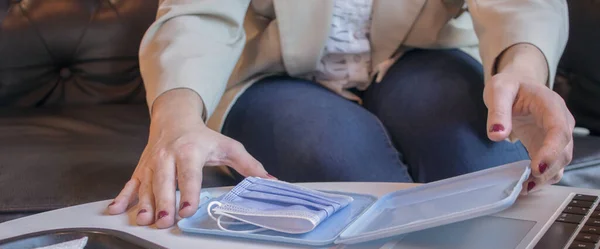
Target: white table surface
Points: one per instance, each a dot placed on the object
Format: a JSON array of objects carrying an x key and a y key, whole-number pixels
[{"x": 92, "y": 215}]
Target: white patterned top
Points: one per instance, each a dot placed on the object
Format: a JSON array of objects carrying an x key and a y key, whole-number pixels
[{"x": 346, "y": 61}]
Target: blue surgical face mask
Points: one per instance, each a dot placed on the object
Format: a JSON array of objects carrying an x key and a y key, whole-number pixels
[{"x": 276, "y": 205}]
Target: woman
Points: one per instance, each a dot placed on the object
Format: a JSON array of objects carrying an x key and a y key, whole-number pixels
[{"x": 340, "y": 90}]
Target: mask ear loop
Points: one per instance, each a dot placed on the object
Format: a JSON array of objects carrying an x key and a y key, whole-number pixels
[
  {"x": 238, "y": 231},
  {"x": 216, "y": 203},
  {"x": 219, "y": 222}
]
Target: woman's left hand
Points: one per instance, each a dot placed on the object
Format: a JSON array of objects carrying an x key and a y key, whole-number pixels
[{"x": 521, "y": 106}]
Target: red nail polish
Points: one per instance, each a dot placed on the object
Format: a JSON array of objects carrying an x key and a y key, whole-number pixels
[
  {"x": 112, "y": 203},
  {"x": 142, "y": 211},
  {"x": 530, "y": 186},
  {"x": 162, "y": 214},
  {"x": 184, "y": 205},
  {"x": 543, "y": 167},
  {"x": 497, "y": 128}
]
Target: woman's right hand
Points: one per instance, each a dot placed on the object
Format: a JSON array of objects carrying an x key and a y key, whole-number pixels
[{"x": 179, "y": 146}]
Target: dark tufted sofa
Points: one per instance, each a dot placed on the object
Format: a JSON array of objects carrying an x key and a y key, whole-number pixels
[
  {"x": 578, "y": 81},
  {"x": 73, "y": 120}
]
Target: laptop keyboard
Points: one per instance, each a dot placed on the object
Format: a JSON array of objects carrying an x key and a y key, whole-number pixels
[{"x": 581, "y": 216}]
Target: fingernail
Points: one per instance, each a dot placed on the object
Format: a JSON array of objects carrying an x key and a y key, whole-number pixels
[
  {"x": 543, "y": 167},
  {"x": 184, "y": 205},
  {"x": 270, "y": 176},
  {"x": 530, "y": 186},
  {"x": 112, "y": 203},
  {"x": 497, "y": 128},
  {"x": 142, "y": 211},
  {"x": 162, "y": 214}
]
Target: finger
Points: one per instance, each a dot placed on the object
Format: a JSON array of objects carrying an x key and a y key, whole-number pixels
[
  {"x": 528, "y": 185},
  {"x": 125, "y": 197},
  {"x": 499, "y": 97},
  {"x": 534, "y": 184},
  {"x": 163, "y": 186},
  {"x": 129, "y": 190},
  {"x": 189, "y": 175},
  {"x": 555, "y": 174},
  {"x": 552, "y": 156},
  {"x": 556, "y": 179},
  {"x": 550, "y": 176},
  {"x": 568, "y": 115},
  {"x": 239, "y": 159},
  {"x": 145, "y": 213}
]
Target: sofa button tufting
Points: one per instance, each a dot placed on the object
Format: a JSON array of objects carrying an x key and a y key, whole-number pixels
[{"x": 65, "y": 73}]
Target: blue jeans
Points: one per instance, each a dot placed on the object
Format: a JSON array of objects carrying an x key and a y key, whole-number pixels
[{"x": 425, "y": 121}]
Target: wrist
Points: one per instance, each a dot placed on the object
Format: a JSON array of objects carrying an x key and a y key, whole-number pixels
[
  {"x": 178, "y": 105},
  {"x": 525, "y": 60}
]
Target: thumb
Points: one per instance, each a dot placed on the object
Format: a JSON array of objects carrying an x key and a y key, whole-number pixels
[
  {"x": 499, "y": 97},
  {"x": 240, "y": 160}
]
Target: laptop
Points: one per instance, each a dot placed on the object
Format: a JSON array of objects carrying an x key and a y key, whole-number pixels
[{"x": 554, "y": 217}]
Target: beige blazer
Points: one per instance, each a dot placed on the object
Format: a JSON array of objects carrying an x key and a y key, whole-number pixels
[{"x": 218, "y": 48}]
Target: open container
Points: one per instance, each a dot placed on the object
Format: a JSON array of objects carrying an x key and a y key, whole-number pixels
[{"x": 368, "y": 218}]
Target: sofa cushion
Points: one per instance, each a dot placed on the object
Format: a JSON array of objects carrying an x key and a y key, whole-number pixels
[
  {"x": 580, "y": 63},
  {"x": 63, "y": 52},
  {"x": 55, "y": 157},
  {"x": 579, "y": 83}
]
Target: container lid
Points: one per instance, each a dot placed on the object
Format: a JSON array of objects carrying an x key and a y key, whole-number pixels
[{"x": 439, "y": 203}]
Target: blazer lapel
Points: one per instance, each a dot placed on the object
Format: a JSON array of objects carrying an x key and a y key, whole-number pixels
[
  {"x": 391, "y": 22},
  {"x": 303, "y": 29}
]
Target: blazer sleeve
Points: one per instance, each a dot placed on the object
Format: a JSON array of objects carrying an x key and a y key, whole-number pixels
[
  {"x": 193, "y": 44},
  {"x": 500, "y": 24}
]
